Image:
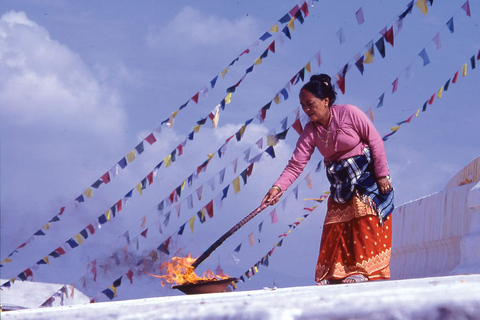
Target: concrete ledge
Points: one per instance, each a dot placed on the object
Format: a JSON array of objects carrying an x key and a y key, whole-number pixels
[{"x": 454, "y": 297}]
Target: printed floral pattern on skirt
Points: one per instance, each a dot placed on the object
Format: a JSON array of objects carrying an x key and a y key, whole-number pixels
[{"x": 353, "y": 242}]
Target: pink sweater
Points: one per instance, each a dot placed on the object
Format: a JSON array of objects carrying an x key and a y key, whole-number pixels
[{"x": 349, "y": 132}]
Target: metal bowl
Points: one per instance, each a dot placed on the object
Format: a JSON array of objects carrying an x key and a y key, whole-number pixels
[{"x": 207, "y": 286}]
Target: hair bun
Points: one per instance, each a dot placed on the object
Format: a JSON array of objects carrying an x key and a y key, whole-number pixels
[{"x": 321, "y": 78}]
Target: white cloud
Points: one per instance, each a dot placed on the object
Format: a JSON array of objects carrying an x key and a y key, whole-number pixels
[
  {"x": 59, "y": 123},
  {"x": 191, "y": 29}
]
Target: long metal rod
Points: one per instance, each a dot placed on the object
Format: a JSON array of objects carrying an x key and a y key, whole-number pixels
[{"x": 230, "y": 232}]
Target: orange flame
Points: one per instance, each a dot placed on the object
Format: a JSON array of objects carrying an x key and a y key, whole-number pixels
[{"x": 180, "y": 271}]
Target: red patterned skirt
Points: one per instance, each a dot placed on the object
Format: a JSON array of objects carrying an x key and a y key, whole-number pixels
[{"x": 353, "y": 242}]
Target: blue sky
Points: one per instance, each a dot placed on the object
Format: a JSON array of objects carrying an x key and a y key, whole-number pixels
[{"x": 83, "y": 83}]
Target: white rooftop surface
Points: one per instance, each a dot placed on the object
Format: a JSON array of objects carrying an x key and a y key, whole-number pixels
[{"x": 452, "y": 297}]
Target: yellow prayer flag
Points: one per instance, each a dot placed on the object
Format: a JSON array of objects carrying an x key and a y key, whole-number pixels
[
  {"x": 277, "y": 99},
  {"x": 308, "y": 67},
  {"x": 196, "y": 128},
  {"x": 114, "y": 289},
  {"x": 224, "y": 72},
  {"x": 256, "y": 269},
  {"x": 439, "y": 93},
  {"x": 191, "y": 222},
  {"x": 139, "y": 188},
  {"x": 108, "y": 214},
  {"x": 130, "y": 156},
  {"x": 174, "y": 114},
  {"x": 216, "y": 117},
  {"x": 167, "y": 161},
  {"x": 78, "y": 237},
  {"x": 242, "y": 130},
  {"x": 422, "y": 5},
  {"x": 369, "y": 56},
  {"x": 272, "y": 140},
  {"x": 416, "y": 114},
  {"x": 88, "y": 193},
  {"x": 6, "y": 260},
  {"x": 291, "y": 24},
  {"x": 13, "y": 280},
  {"x": 46, "y": 227},
  {"x": 236, "y": 185},
  {"x": 464, "y": 70},
  {"x": 183, "y": 184},
  {"x": 211, "y": 155},
  {"x": 274, "y": 28},
  {"x": 394, "y": 129},
  {"x": 309, "y": 181},
  {"x": 258, "y": 61},
  {"x": 46, "y": 260},
  {"x": 228, "y": 98}
]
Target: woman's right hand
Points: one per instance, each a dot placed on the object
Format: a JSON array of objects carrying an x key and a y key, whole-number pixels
[{"x": 271, "y": 196}]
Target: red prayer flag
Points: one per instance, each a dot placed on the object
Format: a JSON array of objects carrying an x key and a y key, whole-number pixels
[
  {"x": 150, "y": 139},
  {"x": 195, "y": 98},
  {"x": 431, "y": 99},
  {"x": 144, "y": 233},
  {"x": 341, "y": 83},
  {"x": 395, "y": 86},
  {"x": 91, "y": 228},
  {"x": 28, "y": 273},
  {"x": 180, "y": 149},
  {"x": 250, "y": 170},
  {"x": 297, "y": 125},
  {"x": 466, "y": 7},
  {"x": 455, "y": 77},
  {"x": 60, "y": 251},
  {"x": 105, "y": 178},
  {"x": 359, "y": 16},
  {"x": 150, "y": 178},
  {"x": 304, "y": 9},
  {"x": 119, "y": 205},
  {"x": 388, "y": 35},
  {"x": 130, "y": 276},
  {"x": 271, "y": 47},
  {"x": 209, "y": 208}
]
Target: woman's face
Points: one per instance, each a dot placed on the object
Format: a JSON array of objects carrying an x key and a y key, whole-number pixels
[{"x": 315, "y": 108}]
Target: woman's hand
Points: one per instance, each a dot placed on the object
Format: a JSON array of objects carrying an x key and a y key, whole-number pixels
[
  {"x": 271, "y": 196},
  {"x": 384, "y": 184}
]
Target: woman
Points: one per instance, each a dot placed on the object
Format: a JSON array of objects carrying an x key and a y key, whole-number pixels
[{"x": 356, "y": 238}]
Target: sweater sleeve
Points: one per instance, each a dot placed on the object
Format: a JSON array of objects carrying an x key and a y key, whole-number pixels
[
  {"x": 369, "y": 134},
  {"x": 300, "y": 157}
]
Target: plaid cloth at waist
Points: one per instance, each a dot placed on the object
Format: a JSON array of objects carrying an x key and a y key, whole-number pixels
[{"x": 356, "y": 175}]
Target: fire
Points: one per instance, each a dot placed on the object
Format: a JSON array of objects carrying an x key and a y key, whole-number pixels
[{"x": 180, "y": 271}]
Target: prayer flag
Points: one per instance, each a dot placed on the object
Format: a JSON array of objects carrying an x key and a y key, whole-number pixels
[
  {"x": 388, "y": 35},
  {"x": 359, "y": 16},
  {"x": 395, "y": 86},
  {"x": 195, "y": 98},
  {"x": 369, "y": 54},
  {"x": 140, "y": 148},
  {"x": 88, "y": 193},
  {"x": 191, "y": 221},
  {"x": 270, "y": 151},
  {"x": 450, "y": 25},
  {"x": 431, "y": 99},
  {"x": 472, "y": 61},
  {"x": 144, "y": 233},
  {"x": 424, "y": 56},
  {"x": 466, "y": 7},
  {"x": 464, "y": 70},
  {"x": 380, "y": 44},
  {"x": 455, "y": 77},
  {"x": 341, "y": 36},
  {"x": 291, "y": 24},
  {"x": 422, "y": 5},
  {"x": 380, "y": 100},
  {"x": 273, "y": 216},
  {"x": 251, "y": 237},
  {"x": 439, "y": 93},
  {"x": 236, "y": 185},
  {"x": 130, "y": 156},
  {"x": 297, "y": 125},
  {"x": 318, "y": 58},
  {"x": 437, "y": 41},
  {"x": 359, "y": 64}
]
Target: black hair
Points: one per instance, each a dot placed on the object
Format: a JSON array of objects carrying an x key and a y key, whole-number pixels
[{"x": 321, "y": 87}]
